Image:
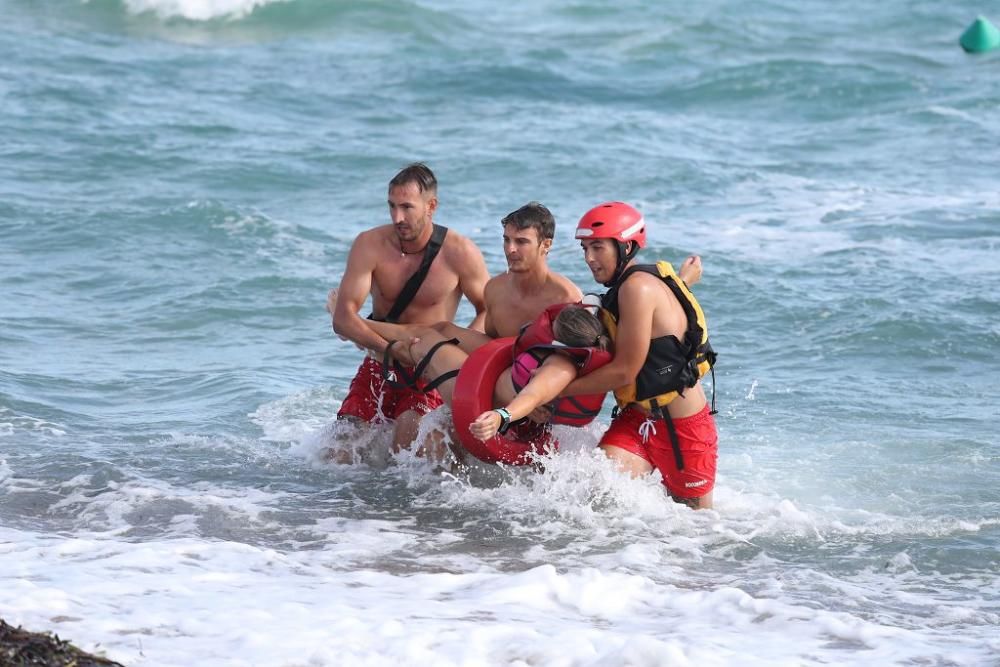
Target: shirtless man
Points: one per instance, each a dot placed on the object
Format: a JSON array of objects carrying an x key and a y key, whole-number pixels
[
  {"x": 380, "y": 263},
  {"x": 528, "y": 287},
  {"x": 661, "y": 351}
]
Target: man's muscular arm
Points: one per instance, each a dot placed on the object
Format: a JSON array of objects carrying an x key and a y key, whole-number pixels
[
  {"x": 472, "y": 279},
  {"x": 355, "y": 286},
  {"x": 635, "y": 325},
  {"x": 490, "y": 294},
  {"x": 635, "y": 328}
]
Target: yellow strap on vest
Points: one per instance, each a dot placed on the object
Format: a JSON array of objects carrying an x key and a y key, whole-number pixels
[{"x": 626, "y": 395}]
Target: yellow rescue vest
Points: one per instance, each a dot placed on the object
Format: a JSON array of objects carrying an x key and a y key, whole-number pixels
[{"x": 672, "y": 365}]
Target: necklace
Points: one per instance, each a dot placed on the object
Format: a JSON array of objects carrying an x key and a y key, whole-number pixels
[{"x": 403, "y": 252}]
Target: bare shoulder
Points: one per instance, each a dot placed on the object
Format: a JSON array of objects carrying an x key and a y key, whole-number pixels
[
  {"x": 644, "y": 298},
  {"x": 371, "y": 241},
  {"x": 566, "y": 289},
  {"x": 366, "y": 253},
  {"x": 642, "y": 285},
  {"x": 461, "y": 251},
  {"x": 497, "y": 285},
  {"x": 648, "y": 293}
]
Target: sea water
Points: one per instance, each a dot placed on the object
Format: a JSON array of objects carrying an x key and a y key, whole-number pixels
[{"x": 181, "y": 181}]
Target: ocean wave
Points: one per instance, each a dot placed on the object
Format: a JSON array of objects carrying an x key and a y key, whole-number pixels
[
  {"x": 262, "y": 16},
  {"x": 199, "y": 10},
  {"x": 191, "y": 10}
]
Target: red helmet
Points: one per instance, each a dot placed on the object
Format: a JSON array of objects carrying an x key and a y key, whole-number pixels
[{"x": 613, "y": 220}]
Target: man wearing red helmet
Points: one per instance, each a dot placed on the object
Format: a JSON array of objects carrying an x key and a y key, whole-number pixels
[{"x": 663, "y": 420}]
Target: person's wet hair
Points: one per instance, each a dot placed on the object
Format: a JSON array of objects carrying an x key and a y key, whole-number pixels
[
  {"x": 533, "y": 216},
  {"x": 418, "y": 173},
  {"x": 577, "y": 326}
]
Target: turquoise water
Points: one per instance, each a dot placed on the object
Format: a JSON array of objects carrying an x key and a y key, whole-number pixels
[{"x": 181, "y": 181}]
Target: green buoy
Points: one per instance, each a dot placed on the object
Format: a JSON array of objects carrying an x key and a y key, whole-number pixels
[{"x": 980, "y": 36}]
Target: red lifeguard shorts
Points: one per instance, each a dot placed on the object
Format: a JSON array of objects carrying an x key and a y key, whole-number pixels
[
  {"x": 699, "y": 445},
  {"x": 371, "y": 399}
]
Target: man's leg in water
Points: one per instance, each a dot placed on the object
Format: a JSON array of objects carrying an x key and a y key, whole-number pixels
[
  {"x": 626, "y": 461},
  {"x": 365, "y": 406},
  {"x": 434, "y": 446},
  {"x": 354, "y": 440},
  {"x": 410, "y": 405},
  {"x": 350, "y": 442},
  {"x": 636, "y": 467},
  {"x": 701, "y": 503},
  {"x": 407, "y": 405},
  {"x": 404, "y": 433},
  {"x": 639, "y": 452},
  {"x": 446, "y": 358}
]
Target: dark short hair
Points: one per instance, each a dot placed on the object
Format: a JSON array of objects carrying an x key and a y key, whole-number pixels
[
  {"x": 533, "y": 215},
  {"x": 418, "y": 173}
]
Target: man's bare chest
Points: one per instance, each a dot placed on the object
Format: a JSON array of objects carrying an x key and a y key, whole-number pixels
[
  {"x": 390, "y": 277},
  {"x": 517, "y": 310}
]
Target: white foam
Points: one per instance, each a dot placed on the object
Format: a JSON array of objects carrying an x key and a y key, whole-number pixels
[
  {"x": 297, "y": 416},
  {"x": 198, "y": 10},
  {"x": 184, "y": 602},
  {"x": 589, "y": 568},
  {"x": 585, "y": 566},
  {"x": 787, "y": 220},
  {"x": 12, "y": 423}
]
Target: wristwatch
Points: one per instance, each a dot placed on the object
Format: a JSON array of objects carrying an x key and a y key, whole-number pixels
[{"x": 504, "y": 419}]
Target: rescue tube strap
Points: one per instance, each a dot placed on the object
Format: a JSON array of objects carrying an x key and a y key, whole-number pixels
[
  {"x": 422, "y": 366},
  {"x": 392, "y": 371}
]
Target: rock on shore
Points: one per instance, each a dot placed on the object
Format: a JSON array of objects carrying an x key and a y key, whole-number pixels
[{"x": 21, "y": 648}]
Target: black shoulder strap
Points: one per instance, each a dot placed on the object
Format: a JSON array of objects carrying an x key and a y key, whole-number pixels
[
  {"x": 609, "y": 300},
  {"x": 417, "y": 279}
]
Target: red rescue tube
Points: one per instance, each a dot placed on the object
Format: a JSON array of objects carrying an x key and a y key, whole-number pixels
[{"x": 474, "y": 395}]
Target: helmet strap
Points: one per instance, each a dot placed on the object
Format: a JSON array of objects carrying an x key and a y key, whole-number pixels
[{"x": 627, "y": 250}]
